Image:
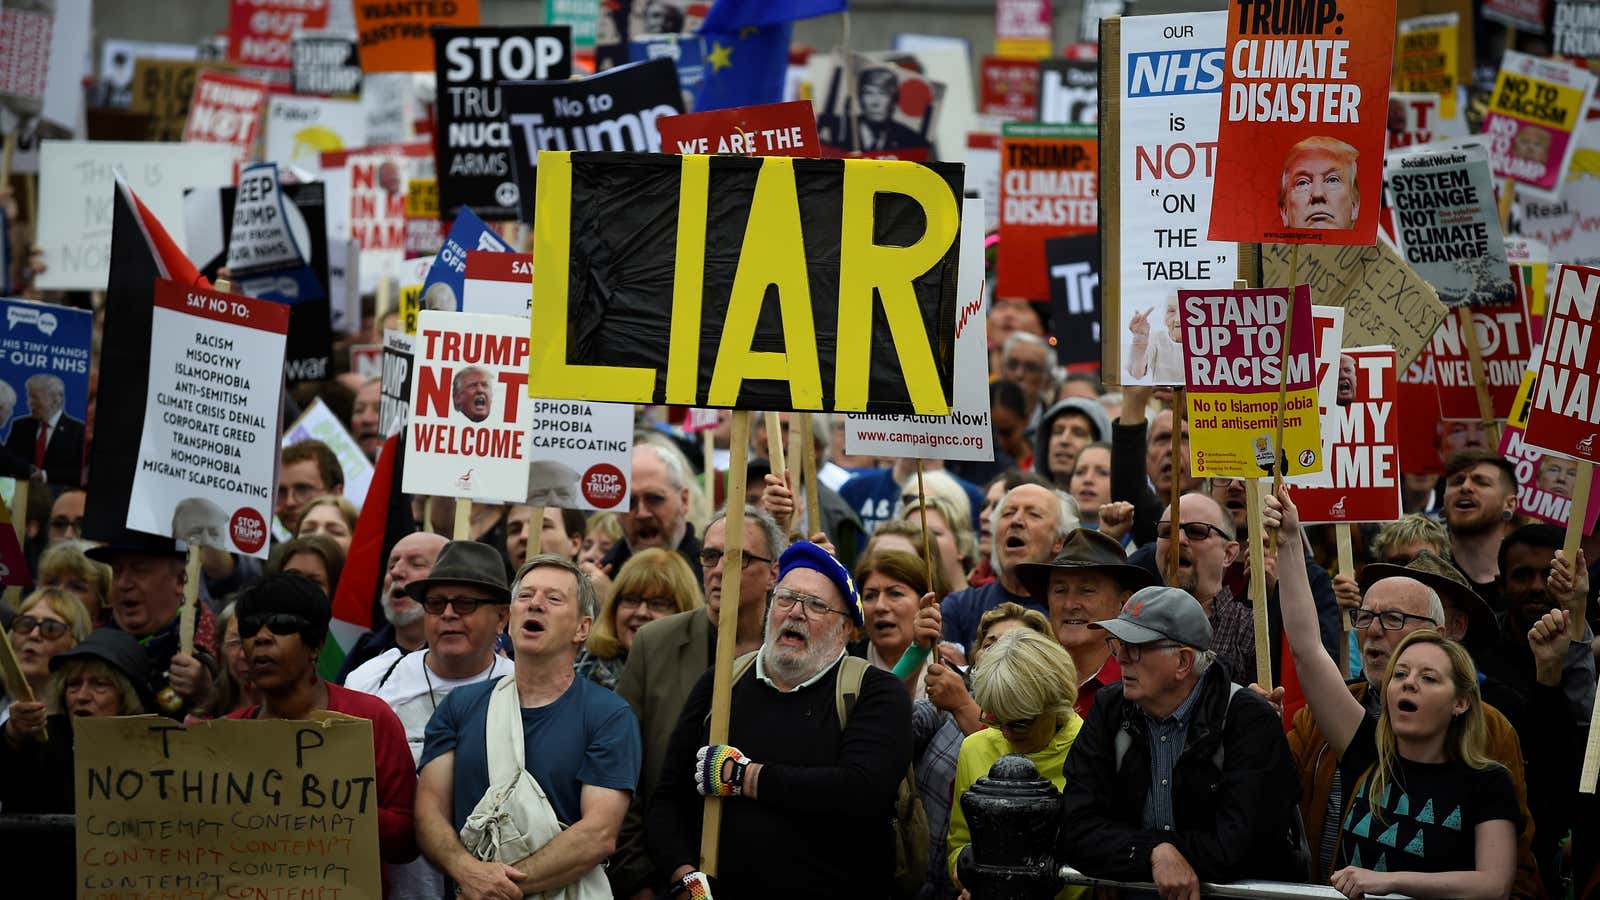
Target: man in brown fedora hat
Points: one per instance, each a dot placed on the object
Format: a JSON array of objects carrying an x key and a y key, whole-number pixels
[
  {"x": 1087, "y": 582},
  {"x": 465, "y": 603}
]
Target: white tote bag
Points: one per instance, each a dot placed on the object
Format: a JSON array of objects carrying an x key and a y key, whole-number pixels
[{"x": 515, "y": 818}]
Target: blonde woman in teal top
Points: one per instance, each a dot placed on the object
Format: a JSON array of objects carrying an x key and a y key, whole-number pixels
[{"x": 1026, "y": 686}]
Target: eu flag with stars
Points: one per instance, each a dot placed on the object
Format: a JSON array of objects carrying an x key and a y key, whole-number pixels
[{"x": 747, "y": 49}]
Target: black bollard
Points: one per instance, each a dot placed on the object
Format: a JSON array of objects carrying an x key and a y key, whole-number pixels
[{"x": 1013, "y": 816}]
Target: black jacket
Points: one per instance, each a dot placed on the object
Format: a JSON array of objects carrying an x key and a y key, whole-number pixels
[
  {"x": 1231, "y": 824},
  {"x": 1130, "y": 483}
]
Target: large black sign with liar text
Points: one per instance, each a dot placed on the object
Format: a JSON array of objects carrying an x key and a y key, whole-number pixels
[{"x": 472, "y": 139}]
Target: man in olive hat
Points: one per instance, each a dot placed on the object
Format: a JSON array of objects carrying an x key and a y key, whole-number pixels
[
  {"x": 1088, "y": 581},
  {"x": 466, "y": 602}
]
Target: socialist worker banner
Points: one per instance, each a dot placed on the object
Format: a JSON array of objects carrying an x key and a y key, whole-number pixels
[
  {"x": 1535, "y": 112},
  {"x": 763, "y": 295},
  {"x": 1363, "y": 460},
  {"x": 1566, "y": 396},
  {"x": 1304, "y": 106},
  {"x": 1233, "y": 354},
  {"x": 1503, "y": 340},
  {"x": 470, "y": 413},
  {"x": 1048, "y": 189}
]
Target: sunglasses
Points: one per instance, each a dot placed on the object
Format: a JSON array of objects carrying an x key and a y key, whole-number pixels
[
  {"x": 1195, "y": 531},
  {"x": 277, "y": 623},
  {"x": 465, "y": 606},
  {"x": 49, "y": 628}
]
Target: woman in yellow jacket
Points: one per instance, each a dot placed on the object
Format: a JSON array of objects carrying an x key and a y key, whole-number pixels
[{"x": 1026, "y": 686}]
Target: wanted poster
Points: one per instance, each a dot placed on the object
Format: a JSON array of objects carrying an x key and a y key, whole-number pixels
[
  {"x": 1233, "y": 354},
  {"x": 472, "y": 138},
  {"x": 208, "y": 454},
  {"x": 44, "y": 368},
  {"x": 615, "y": 110},
  {"x": 395, "y": 36},
  {"x": 1446, "y": 224},
  {"x": 1566, "y": 396},
  {"x": 1048, "y": 189},
  {"x": 1363, "y": 459},
  {"x": 895, "y": 109},
  {"x": 965, "y": 434},
  {"x": 770, "y": 129},
  {"x": 1158, "y": 185},
  {"x": 225, "y": 110},
  {"x": 470, "y": 411},
  {"x": 1503, "y": 340},
  {"x": 1303, "y": 114},
  {"x": 1535, "y": 112},
  {"x": 260, "y": 32},
  {"x": 326, "y": 63}
]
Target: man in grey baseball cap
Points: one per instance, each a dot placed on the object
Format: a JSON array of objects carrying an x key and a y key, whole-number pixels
[{"x": 1178, "y": 776}]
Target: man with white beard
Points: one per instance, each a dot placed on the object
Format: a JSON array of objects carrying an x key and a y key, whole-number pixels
[
  {"x": 412, "y": 558},
  {"x": 795, "y": 765}
]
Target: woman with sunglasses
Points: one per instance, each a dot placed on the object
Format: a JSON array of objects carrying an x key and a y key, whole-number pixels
[
  {"x": 653, "y": 583},
  {"x": 1026, "y": 685},
  {"x": 1428, "y": 813},
  {"x": 50, "y": 621}
]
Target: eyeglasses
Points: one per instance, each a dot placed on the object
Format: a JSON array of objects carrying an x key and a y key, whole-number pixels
[
  {"x": 48, "y": 628},
  {"x": 1025, "y": 365},
  {"x": 62, "y": 523},
  {"x": 816, "y": 607},
  {"x": 710, "y": 558},
  {"x": 1388, "y": 620},
  {"x": 993, "y": 721},
  {"x": 465, "y": 606},
  {"x": 277, "y": 623},
  {"x": 1134, "y": 652},
  {"x": 663, "y": 605},
  {"x": 1195, "y": 531}
]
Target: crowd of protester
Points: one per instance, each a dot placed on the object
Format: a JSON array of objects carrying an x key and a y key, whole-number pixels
[{"x": 1422, "y": 733}]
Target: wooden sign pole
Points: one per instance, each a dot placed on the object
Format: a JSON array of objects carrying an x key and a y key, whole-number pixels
[
  {"x": 708, "y": 461},
  {"x": 1258, "y": 584},
  {"x": 808, "y": 464},
  {"x": 727, "y": 623},
  {"x": 463, "y": 525},
  {"x": 1347, "y": 566},
  {"x": 535, "y": 534},
  {"x": 1575, "y": 519},
  {"x": 799, "y": 434},
  {"x": 775, "y": 445},
  {"x": 1480, "y": 383},
  {"x": 191, "y": 598}
]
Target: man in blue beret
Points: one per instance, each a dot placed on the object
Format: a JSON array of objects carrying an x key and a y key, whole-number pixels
[{"x": 817, "y": 746}]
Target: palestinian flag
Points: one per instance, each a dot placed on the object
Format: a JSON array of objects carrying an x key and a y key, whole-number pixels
[
  {"x": 385, "y": 519},
  {"x": 141, "y": 252}
]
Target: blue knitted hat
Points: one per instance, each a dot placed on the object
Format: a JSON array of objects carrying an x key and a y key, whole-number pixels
[{"x": 806, "y": 555}]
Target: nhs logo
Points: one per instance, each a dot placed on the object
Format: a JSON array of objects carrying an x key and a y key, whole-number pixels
[{"x": 1169, "y": 72}]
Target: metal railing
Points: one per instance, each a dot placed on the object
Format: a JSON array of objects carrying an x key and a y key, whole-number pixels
[{"x": 1256, "y": 890}]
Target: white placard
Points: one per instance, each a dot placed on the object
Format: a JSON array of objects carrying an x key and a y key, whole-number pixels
[
  {"x": 320, "y": 424},
  {"x": 299, "y": 129},
  {"x": 966, "y": 433},
  {"x": 208, "y": 455},
  {"x": 470, "y": 413},
  {"x": 77, "y": 179}
]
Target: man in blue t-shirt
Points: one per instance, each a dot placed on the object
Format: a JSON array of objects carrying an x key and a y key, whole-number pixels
[{"x": 581, "y": 743}]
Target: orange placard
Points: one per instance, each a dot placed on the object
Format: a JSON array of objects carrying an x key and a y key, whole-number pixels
[
  {"x": 1304, "y": 105},
  {"x": 394, "y": 33}
]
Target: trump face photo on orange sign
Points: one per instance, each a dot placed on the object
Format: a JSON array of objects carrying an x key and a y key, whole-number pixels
[{"x": 1318, "y": 188}]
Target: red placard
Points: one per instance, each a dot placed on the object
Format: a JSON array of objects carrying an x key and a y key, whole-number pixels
[
  {"x": 1545, "y": 482},
  {"x": 1419, "y": 403},
  {"x": 771, "y": 129},
  {"x": 25, "y": 52},
  {"x": 259, "y": 31},
  {"x": 225, "y": 110},
  {"x": 395, "y": 36},
  {"x": 1503, "y": 341},
  {"x": 1364, "y": 459},
  {"x": 1008, "y": 88},
  {"x": 1022, "y": 28},
  {"x": 1565, "y": 415},
  {"x": 1304, "y": 120},
  {"x": 1048, "y": 189}
]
